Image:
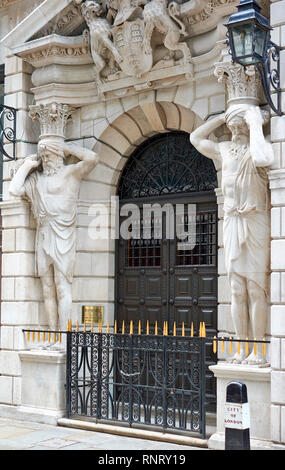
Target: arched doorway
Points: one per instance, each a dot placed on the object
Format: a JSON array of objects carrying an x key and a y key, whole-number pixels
[{"x": 158, "y": 277}]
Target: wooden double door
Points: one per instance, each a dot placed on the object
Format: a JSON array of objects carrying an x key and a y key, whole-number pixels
[
  {"x": 162, "y": 278},
  {"x": 159, "y": 279}
]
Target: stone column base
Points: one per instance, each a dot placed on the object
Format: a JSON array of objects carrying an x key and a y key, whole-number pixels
[
  {"x": 258, "y": 382},
  {"x": 43, "y": 381}
]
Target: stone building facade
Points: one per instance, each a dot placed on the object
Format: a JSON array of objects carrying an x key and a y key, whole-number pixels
[{"x": 112, "y": 110}]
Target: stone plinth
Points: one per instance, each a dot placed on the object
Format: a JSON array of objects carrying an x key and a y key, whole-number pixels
[
  {"x": 43, "y": 380},
  {"x": 258, "y": 382}
]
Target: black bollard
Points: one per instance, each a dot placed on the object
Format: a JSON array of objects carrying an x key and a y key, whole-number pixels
[{"x": 237, "y": 421}]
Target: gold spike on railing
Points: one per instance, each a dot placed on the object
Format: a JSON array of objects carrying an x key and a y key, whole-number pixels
[
  {"x": 230, "y": 346},
  {"x": 166, "y": 328},
  {"x": 246, "y": 347},
  {"x": 192, "y": 330},
  {"x": 200, "y": 330},
  {"x": 77, "y": 326},
  {"x": 28, "y": 335},
  {"x": 123, "y": 327},
  {"x": 39, "y": 336},
  {"x": 215, "y": 345},
  {"x": 92, "y": 326},
  {"x": 44, "y": 336},
  {"x": 59, "y": 336},
  {"x": 147, "y": 327},
  {"x": 100, "y": 326},
  {"x": 33, "y": 336},
  {"x": 255, "y": 347},
  {"x": 84, "y": 326},
  {"x": 155, "y": 328},
  {"x": 174, "y": 328},
  {"x": 54, "y": 337},
  {"x": 49, "y": 335},
  {"x": 263, "y": 348},
  {"x": 204, "y": 330},
  {"x": 238, "y": 346},
  {"x": 115, "y": 327},
  {"x": 131, "y": 327},
  {"x": 183, "y": 329},
  {"x": 140, "y": 328},
  {"x": 223, "y": 346}
]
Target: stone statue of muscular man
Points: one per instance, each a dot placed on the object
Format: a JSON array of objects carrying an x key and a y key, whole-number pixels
[
  {"x": 52, "y": 188},
  {"x": 244, "y": 159}
]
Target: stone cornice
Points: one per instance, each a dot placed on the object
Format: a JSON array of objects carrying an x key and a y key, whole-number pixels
[
  {"x": 54, "y": 49},
  {"x": 27, "y": 28}
]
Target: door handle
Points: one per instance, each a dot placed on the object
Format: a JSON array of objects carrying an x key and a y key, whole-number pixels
[
  {"x": 195, "y": 301},
  {"x": 171, "y": 301}
]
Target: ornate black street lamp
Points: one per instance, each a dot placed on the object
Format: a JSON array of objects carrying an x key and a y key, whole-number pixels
[{"x": 250, "y": 44}]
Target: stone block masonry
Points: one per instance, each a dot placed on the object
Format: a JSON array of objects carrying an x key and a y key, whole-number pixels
[{"x": 277, "y": 186}]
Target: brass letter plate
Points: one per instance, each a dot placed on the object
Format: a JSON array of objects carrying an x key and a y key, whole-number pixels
[{"x": 92, "y": 313}]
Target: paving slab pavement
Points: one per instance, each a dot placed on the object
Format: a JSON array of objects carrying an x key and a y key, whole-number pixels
[{"x": 24, "y": 435}]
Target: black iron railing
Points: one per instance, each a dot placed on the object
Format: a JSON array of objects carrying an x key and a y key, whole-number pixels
[
  {"x": 137, "y": 379},
  {"x": 7, "y": 131},
  {"x": 140, "y": 379}
]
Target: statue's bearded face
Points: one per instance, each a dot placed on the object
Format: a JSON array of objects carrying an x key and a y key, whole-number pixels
[
  {"x": 238, "y": 128},
  {"x": 51, "y": 162}
]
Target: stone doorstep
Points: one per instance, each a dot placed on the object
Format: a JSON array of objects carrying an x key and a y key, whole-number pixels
[{"x": 133, "y": 432}]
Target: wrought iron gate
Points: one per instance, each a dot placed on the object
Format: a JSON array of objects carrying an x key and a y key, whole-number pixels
[{"x": 137, "y": 379}]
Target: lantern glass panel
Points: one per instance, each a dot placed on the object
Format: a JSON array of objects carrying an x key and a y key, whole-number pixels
[
  {"x": 260, "y": 41},
  {"x": 243, "y": 43}
]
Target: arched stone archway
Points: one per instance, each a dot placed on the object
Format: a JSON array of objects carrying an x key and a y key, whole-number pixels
[{"x": 119, "y": 138}]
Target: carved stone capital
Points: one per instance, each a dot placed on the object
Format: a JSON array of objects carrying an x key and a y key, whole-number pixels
[
  {"x": 243, "y": 85},
  {"x": 53, "y": 118}
]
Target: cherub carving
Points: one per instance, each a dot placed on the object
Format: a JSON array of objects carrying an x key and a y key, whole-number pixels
[
  {"x": 99, "y": 36},
  {"x": 158, "y": 15}
]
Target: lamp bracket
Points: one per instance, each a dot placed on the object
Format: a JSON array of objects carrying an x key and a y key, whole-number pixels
[
  {"x": 7, "y": 131},
  {"x": 269, "y": 70}
]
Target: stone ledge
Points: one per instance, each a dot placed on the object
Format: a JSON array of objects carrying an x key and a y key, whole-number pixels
[
  {"x": 133, "y": 432},
  {"x": 240, "y": 372},
  {"x": 39, "y": 356}
]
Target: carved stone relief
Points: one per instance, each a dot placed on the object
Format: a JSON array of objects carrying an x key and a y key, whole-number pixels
[{"x": 120, "y": 35}]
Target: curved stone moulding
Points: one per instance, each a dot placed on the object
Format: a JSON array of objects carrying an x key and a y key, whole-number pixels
[{"x": 55, "y": 49}]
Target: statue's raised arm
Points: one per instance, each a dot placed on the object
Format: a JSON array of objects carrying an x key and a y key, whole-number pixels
[
  {"x": 201, "y": 140},
  {"x": 261, "y": 151}
]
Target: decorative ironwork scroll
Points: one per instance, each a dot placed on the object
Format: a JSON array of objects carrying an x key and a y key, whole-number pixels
[
  {"x": 7, "y": 131},
  {"x": 269, "y": 70},
  {"x": 164, "y": 164},
  {"x": 137, "y": 379}
]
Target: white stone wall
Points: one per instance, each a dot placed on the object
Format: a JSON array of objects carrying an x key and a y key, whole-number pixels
[
  {"x": 277, "y": 185},
  {"x": 113, "y": 129},
  {"x": 21, "y": 291}
]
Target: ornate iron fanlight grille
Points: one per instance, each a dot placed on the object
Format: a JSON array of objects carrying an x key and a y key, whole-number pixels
[{"x": 165, "y": 164}]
